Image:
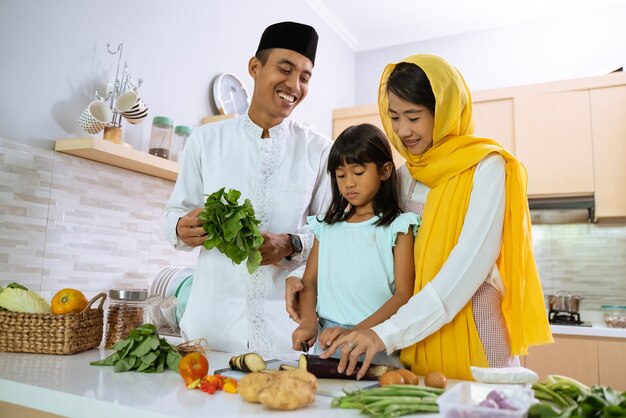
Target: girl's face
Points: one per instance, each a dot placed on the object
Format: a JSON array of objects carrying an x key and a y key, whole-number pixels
[
  {"x": 359, "y": 184},
  {"x": 413, "y": 123}
]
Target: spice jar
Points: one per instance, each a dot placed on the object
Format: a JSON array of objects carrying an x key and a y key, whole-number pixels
[
  {"x": 161, "y": 136},
  {"x": 181, "y": 133},
  {"x": 125, "y": 313}
]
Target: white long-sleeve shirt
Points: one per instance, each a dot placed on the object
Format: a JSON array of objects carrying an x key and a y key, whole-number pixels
[
  {"x": 470, "y": 263},
  {"x": 285, "y": 178}
]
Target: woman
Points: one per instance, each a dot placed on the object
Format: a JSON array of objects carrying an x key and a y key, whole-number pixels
[{"x": 478, "y": 299}]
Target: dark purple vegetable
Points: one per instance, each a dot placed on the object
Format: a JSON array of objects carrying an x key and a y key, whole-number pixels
[
  {"x": 327, "y": 368},
  {"x": 250, "y": 362},
  {"x": 500, "y": 399},
  {"x": 489, "y": 403}
]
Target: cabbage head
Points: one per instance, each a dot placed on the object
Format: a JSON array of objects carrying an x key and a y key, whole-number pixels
[{"x": 19, "y": 300}]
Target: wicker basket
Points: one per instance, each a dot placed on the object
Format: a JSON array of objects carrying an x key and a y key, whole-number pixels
[{"x": 50, "y": 333}]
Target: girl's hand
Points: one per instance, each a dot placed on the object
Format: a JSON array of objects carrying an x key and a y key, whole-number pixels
[
  {"x": 305, "y": 333},
  {"x": 353, "y": 344},
  {"x": 293, "y": 285},
  {"x": 329, "y": 335}
]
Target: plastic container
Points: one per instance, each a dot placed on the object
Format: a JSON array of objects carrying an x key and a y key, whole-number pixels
[
  {"x": 462, "y": 399},
  {"x": 181, "y": 133},
  {"x": 161, "y": 136},
  {"x": 126, "y": 312},
  {"x": 614, "y": 316}
]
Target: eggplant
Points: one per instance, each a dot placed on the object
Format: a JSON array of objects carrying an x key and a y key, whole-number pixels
[
  {"x": 249, "y": 362},
  {"x": 327, "y": 368},
  {"x": 285, "y": 367}
]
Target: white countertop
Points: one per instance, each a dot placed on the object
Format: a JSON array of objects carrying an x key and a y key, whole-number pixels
[
  {"x": 595, "y": 330},
  {"x": 69, "y": 386},
  {"x": 598, "y": 327}
]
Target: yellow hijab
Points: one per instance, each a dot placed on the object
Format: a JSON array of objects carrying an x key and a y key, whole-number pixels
[{"x": 448, "y": 169}]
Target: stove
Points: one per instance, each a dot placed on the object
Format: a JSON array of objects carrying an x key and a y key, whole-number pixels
[{"x": 566, "y": 318}]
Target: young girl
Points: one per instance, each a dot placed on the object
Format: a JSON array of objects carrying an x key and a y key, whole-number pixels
[{"x": 360, "y": 270}]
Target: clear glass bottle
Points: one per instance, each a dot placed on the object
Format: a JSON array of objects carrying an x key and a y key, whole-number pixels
[
  {"x": 161, "y": 136},
  {"x": 125, "y": 313},
  {"x": 181, "y": 133}
]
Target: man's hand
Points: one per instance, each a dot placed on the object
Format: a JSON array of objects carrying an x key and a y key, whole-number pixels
[
  {"x": 189, "y": 229},
  {"x": 275, "y": 247}
]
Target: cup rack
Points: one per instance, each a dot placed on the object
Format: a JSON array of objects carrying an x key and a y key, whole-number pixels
[{"x": 120, "y": 85}]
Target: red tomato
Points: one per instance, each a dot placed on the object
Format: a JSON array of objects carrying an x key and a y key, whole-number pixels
[{"x": 193, "y": 367}]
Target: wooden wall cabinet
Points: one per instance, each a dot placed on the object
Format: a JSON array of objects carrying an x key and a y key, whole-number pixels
[
  {"x": 553, "y": 141},
  {"x": 495, "y": 119},
  {"x": 608, "y": 125},
  {"x": 591, "y": 360},
  {"x": 344, "y": 118}
]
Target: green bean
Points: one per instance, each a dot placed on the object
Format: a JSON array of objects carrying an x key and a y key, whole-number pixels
[{"x": 390, "y": 401}]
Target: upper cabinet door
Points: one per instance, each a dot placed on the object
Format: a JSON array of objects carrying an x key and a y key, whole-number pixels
[
  {"x": 608, "y": 120},
  {"x": 346, "y": 117},
  {"x": 553, "y": 140},
  {"x": 494, "y": 119}
]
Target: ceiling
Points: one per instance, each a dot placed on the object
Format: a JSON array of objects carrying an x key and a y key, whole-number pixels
[{"x": 371, "y": 24}]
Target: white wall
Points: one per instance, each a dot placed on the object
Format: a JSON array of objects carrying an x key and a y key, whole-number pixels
[
  {"x": 53, "y": 55},
  {"x": 549, "y": 50}
]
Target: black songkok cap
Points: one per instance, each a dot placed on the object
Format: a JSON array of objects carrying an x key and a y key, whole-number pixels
[{"x": 290, "y": 35}]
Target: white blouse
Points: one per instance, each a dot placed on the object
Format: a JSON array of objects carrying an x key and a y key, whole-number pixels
[
  {"x": 286, "y": 180},
  {"x": 470, "y": 263}
]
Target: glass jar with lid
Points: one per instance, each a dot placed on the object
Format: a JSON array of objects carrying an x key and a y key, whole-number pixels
[
  {"x": 125, "y": 313},
  {"x": 161, "y": 136},
  {"x": 181, "y": 133}
]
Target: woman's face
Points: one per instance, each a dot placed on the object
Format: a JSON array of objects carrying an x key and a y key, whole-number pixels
[{"x": 413, "y": 123}]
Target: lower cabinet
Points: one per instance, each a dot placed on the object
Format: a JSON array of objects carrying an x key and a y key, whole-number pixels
[{"x": 591, "y": 360}]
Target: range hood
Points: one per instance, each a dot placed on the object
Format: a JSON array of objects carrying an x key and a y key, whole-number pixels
[{"x": 562, "y": 209}]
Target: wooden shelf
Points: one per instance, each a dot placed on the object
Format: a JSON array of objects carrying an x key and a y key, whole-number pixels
[{"x": 118, "y": 155}]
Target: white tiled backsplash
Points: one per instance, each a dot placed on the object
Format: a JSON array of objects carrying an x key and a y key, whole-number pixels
[
  {"x": 68, "y": 221},
  {"x": 72, "y": 222}
]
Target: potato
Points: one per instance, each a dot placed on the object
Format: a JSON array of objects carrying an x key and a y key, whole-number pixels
[
  {"x": 435, "y": 380},
  {"x": 284, "y": 390},
  {"x": 301, "y": 375},
  {"x": 287, "y": 393},
  {"x": 391, "y": 378},
  {"x": 252, "y": 384},
  {"x": 410, "y": 378}
]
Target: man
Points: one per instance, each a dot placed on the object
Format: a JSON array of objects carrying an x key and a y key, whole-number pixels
[{"x": 280, "y": 165}]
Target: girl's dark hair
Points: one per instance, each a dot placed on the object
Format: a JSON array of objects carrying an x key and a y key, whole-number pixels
[
  {"x": 362, "y": 144},
  {"x": 409, "y": 82}
]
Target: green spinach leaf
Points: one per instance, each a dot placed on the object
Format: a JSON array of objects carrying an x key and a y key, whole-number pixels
[{"x": 232, "y": 228}]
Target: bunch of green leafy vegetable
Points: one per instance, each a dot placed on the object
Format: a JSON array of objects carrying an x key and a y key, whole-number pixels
[
  {"x": 142, "y": 351},
  {"x": 564, "y": 397},
  {"x": 232, "y": 228}
]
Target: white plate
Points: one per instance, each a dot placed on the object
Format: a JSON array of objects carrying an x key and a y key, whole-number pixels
[
  {"x": 157, "y": 283},
  {"x": 165, "y": 280},
  {"x": 176, "y": 279}
]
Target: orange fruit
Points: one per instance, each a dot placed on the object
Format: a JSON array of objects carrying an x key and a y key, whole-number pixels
[{"x": 68, "y": 301}]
